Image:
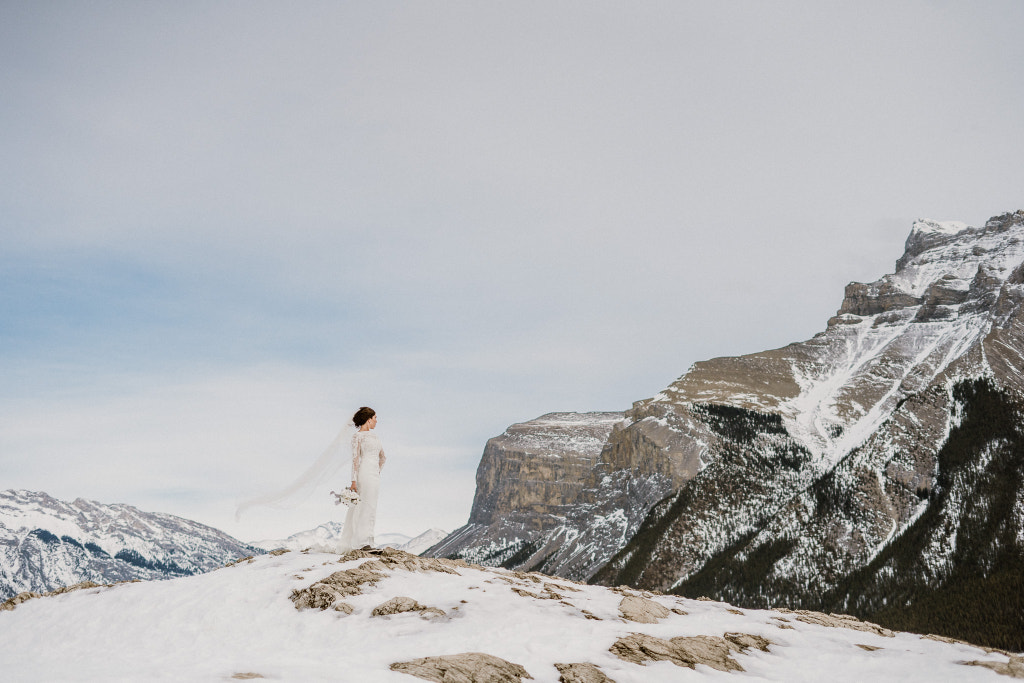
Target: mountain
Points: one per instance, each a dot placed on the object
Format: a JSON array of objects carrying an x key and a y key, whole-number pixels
[
  {"x": 321, "y": 538},
  {"x": 389, "y": 617},
  {"x": 46, "y": 544},
  {"x": 531, "y": 500},
  {"x": 873, "y": 469},
  {"x": 325, "y": 538},
  {"x": 427, "y": 539}
]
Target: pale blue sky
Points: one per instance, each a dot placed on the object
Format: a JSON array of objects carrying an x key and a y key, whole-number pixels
[{"x": 228, "y": 224}]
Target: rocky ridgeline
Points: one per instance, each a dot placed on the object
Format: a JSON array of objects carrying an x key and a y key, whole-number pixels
[
  {"x": 828, "y": 474},
  {"x": 47, "y": 544}
]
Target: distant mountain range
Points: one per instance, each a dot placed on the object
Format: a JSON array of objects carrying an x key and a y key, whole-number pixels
[
  {"x": 46, "y": 543},
  {"x": 875, "y": 469}
]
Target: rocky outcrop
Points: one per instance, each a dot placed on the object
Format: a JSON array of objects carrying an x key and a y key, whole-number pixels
[
  {"x": 536, "y": 468},
  {"x": 581, "y": 672},
  {"x": 468, "y": 667},
  {"x": 328, "y": 592},
  {"x": 402, "y": 604},
  {"x": 1013, "y": 667},
  {"x": 688, "y": 651},
  {"x": 642, "y": 610},
  {"x": 549, "y": 497}
]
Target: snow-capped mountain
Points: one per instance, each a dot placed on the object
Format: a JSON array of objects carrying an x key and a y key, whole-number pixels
[
  {"x": 326, "y": 537},
  {"x": 47, "y": 543},
  {"x": 874, "y": 468},
  {"x": 389, "y": 617}
]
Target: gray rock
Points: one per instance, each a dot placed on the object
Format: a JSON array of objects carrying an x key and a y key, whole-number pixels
[
  {"x": 1014, "y": 668},
  {"x": 688, "y": 651},
  {"x": 642, "y": 610},
  {"x": 324, "y": 593},
  {"x": 468, "y": 667},
  {"x": 400, "y": 604},
  {"x": 581, "y": 672},
  {"x": 842, "y": 621}
]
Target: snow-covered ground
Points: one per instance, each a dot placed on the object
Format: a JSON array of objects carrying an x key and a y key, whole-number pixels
[
  {"x": 241, "y": 620},
  {"x": 327, "y": 537}
]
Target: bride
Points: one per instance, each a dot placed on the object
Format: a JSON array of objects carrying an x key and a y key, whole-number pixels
[{"x": 367, "y": 461}]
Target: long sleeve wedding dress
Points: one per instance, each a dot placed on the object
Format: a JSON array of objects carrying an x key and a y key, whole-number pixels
[{"x": 367, "y": 461}]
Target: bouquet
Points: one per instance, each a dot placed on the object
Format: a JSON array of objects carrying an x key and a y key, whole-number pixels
[{"x": 347, "y": 496}]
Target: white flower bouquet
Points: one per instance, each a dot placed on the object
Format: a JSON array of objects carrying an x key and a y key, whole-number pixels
[{"x": 347, "y": 497}]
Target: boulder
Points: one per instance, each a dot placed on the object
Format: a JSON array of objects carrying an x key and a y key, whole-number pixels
[{"x": 468, "y": 667}]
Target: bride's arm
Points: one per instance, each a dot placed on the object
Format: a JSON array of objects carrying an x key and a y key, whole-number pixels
[{"x": 381, "y": 459}]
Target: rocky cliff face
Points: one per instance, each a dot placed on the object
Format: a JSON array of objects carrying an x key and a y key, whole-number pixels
[
  {"x": 545, "y": 499},
  {"x": 46, "y": 544},
  {"x": 820, "y": 474}
]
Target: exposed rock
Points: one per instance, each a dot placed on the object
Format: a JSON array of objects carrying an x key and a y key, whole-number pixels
[
  {"x": 77, "y": 587},
  {"x": 746, "y": 640},
  {"x": 343, "y": 607},
  {"x": 468, "y": 667},
  {"x": 247, "y": 675},
  {"x": 581, "y": 672},
  {"x": 28, "y": 595},
  {"x": 687, "y": 651},
  {"x": 18, "y": 599},
  {"x": 869, "y": 648},
  {"x": 642, "y": 610},
  {"x": 1014, "y": 668},
  {"x": 842, "y": 621},
  {"x": 340, "y": 584},
  {"x": 400, "y": 604},
  {"x": 531, "y": 483}
]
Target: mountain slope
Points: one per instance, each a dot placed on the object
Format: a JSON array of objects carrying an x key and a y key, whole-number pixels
[
  {"x": 47, "y": 543},
  {"x": 389, "y": 617},
  {"x": 875, "y": 401}
]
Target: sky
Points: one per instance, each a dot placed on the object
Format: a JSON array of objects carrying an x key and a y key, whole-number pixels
[{"x": 227, "y": 225}]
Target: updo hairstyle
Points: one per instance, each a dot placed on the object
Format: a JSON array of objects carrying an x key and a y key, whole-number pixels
[{"x": 363, "y": 416}]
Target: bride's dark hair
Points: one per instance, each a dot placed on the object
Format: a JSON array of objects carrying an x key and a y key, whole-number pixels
[{"x": 363, "y": 416}]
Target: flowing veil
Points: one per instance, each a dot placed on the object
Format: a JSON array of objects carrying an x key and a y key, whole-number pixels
[{"x": 330, "y": 462}]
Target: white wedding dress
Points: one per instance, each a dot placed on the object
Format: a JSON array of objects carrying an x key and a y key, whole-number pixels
[{"x": 367, "y": 461}]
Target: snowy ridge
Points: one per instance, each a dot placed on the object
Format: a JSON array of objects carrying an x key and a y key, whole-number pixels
[
  {"x": 525, "y": 627},
  {"x": 47, "y": 543},
  {"x": 327, "y": 536}
]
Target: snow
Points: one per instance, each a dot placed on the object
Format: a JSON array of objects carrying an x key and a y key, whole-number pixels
[
  {"x": 239, "y": 620},
  {"x": 860, "y": 346},
  {"x": 939, "y": 227},
  {"x": 325, "y": 538}
]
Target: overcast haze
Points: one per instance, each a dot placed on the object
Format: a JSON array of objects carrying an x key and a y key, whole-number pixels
[{"x": 226, "y": 225}]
